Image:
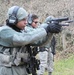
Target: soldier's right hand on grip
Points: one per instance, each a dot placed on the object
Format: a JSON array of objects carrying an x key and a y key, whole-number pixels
[{"x": 53, "y": 28}]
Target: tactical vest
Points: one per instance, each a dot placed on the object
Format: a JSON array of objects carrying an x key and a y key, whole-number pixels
[{"x": 9, "y": 55}]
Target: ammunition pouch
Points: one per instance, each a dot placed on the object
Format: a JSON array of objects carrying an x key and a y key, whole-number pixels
[
  {"x": 12, "y": 57},
  {"x": 5, "y": 60},
  {"x": 19, "y": 56}
]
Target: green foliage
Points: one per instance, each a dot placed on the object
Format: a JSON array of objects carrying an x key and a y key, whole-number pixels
[{"x": 64, "y": 66}]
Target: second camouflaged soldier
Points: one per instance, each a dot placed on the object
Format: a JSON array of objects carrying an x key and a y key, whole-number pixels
[{"x": 45, "y": 54}]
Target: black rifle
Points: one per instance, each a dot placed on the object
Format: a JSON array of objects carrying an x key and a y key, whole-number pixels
[
  {"x": 58, "y": 20},
  {"x": 33, "y": 63}
]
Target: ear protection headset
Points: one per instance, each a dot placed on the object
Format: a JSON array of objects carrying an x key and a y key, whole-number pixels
[
  {"x": 30, "y": 19},
  {"x": 13, "y": 17}
]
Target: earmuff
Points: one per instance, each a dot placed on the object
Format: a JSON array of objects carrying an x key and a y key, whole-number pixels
[
  {"x": 30, "y": 19},
  {"x": 13, "y": 17}
]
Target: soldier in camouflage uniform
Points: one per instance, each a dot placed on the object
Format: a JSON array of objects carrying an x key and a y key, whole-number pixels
[
  {"x": 45, "y": 52},
  {"x": 13, "y": 41}
]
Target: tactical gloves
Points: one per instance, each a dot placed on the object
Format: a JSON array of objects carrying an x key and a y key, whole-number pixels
[{"x": 53, "y": 28}]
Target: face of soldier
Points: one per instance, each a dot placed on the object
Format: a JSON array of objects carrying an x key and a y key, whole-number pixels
[
  {"x": 21, "y": 24},
  {"x": 35, "y": 23}
]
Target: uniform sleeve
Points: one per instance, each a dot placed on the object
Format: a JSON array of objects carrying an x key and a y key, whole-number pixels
[
  {"x": 30, "y": 37},
  {"x": 45, "y": 41},
  {"x": 43, "y": 25}
]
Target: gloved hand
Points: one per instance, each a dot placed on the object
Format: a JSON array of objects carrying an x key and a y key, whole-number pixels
[{"x": 53, "y": 28}]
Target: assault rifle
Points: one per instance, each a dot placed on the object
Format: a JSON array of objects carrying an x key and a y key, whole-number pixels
[
  {"x": 33, "y": 63},
  {"x": 59, "y": 20}
]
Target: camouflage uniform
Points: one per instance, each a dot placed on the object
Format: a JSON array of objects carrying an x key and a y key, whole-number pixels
[
  {"x": 44, "y": 54},
  {"x": 13, "y": 52},
  {"x": 11, "y": 43}
]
